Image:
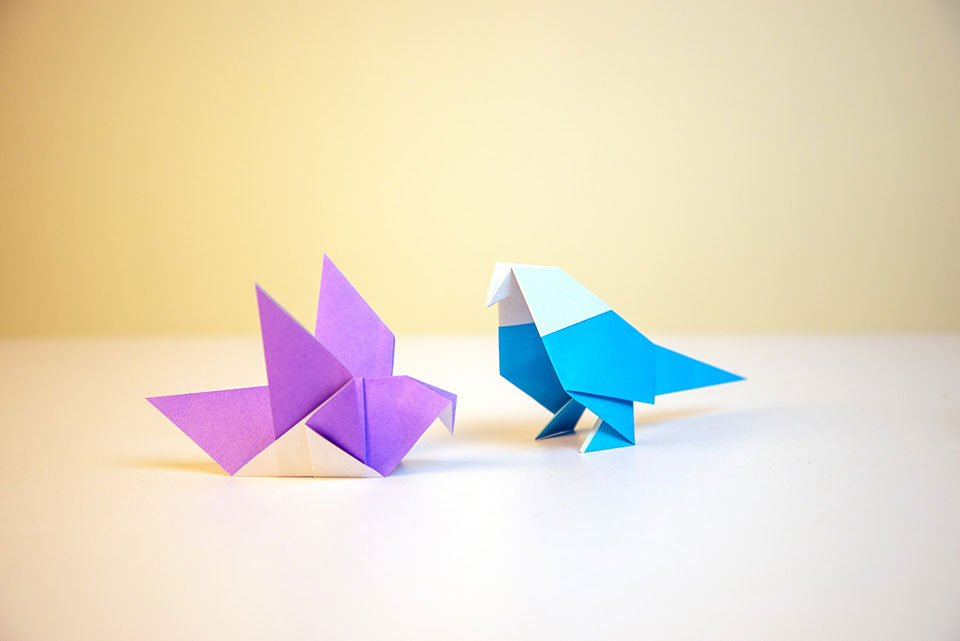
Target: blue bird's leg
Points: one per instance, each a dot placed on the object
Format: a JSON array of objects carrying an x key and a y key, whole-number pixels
[
  {"x": 564, "y": 421},
  {"x": 603, "y": 437}
]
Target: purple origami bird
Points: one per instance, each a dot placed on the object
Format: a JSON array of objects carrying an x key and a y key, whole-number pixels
[{"x": 331, "y": 406}]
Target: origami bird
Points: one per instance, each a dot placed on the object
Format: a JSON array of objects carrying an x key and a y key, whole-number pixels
[
  {"x": 331, "y": 406},
  {"x": 569, "y": 351}
]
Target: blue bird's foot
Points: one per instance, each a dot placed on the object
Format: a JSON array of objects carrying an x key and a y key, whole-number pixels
[
  {"x": 564, "y": 421},
  {"x": 603, "y": 437}
]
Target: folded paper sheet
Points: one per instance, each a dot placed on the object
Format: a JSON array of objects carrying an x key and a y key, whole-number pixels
[
  {"x": 569, "y": 351},
  {"x": 331, "y": 406}
]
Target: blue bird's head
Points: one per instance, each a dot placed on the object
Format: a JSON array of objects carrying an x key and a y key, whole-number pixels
[{"x": 546, "y": 294}]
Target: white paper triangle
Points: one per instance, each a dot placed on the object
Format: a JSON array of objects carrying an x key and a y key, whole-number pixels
[
  {"x": 513, "y": 308},
  {"x": 329, "y": 460},
  {"x": 287, "y": 456},
  {"x": 446, "y": 417},
  {"x": 499, "y": 287}
]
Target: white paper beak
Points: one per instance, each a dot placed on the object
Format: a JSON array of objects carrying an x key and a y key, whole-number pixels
[{"x": 499, "y": 283}]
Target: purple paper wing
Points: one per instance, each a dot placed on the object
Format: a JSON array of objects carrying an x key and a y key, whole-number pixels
[
  {"x": 399, "y": 409},
  {"x": 350, "y": 329},
  {"x": 232, "y": 425},
  {"x": 340, "y": 420},
  {"x": 301, "y": 373}
]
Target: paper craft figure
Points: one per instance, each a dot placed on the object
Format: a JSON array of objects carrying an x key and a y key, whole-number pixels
[
  {"x": 331, "y": 406},
  {"x": 568, "y": 350}
]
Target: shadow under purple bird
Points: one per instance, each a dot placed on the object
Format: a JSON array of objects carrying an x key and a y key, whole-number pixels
[{"x": 331, "y": 406}]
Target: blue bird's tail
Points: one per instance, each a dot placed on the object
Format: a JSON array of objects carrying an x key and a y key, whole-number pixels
[{"x": 676, "y": 373}]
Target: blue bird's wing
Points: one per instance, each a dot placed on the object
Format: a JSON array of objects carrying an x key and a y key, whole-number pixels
[
  {"x": 604, "y": 356},
  {"x": 606, "y": 364}
]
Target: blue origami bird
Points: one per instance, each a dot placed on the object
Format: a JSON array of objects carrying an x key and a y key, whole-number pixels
[{"x": 568, "y": 350}]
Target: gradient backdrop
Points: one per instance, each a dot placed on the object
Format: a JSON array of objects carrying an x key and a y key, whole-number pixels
[{"x": 701, "y": 166}]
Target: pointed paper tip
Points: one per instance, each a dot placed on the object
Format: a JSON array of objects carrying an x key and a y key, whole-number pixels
[
  {"x": 729, "y": 377},
  {"x": 261, "y": 293},
  {"x": 497, "y": 292},
  {"x": 161, "y": 402},
  {"x": 544, "y": 434},
  {"x": 262, "y": 299},
  {"x": 328, "y": 266},
  {"x": 447, "y": 417},
  {"x": 330, "y": 270}
]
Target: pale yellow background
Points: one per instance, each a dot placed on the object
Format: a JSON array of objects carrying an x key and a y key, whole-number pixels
[{"x": 701, "y": 166}]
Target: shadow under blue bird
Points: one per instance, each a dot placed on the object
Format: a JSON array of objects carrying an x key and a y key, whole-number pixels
[{"x": 569, "y": 351}]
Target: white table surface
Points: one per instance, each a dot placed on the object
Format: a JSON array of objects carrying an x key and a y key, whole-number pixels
[{"x": 820, "y": 499}]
